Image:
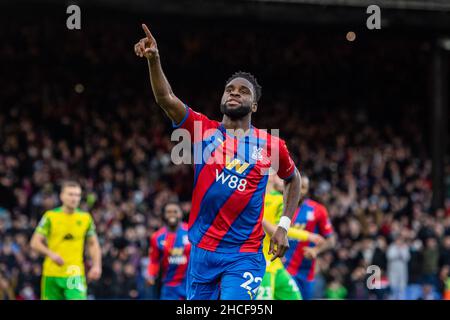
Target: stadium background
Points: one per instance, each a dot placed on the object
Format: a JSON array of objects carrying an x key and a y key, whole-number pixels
[{"x": 366, "y": 120}]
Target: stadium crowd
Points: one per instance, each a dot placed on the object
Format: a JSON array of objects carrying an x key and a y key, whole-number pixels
[{"x": 81, "y": 108}]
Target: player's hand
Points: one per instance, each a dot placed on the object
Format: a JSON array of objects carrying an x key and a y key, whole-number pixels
[
  {"x": 310, "y": 253},
  {"x": 317, "y": 239},
  {"x": 94, "y": 273},
  {"x": 56, "y": 259},
  {"x": 146, "y": 47},
  {"x": 150, "y": 281},
  {"x": 278, "y": 243}
]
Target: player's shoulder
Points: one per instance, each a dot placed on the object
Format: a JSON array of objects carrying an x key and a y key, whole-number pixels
[
  {"x": 198, "y": 124},
  {"x": 272, "y": 142},
  {"x": 191, "y": 112},
  {"x": 159, "y": 232},
  {"x": 267, "y": 135},
  {"x": 317, "y": 206},
  {"x": 83, "y": 214},
  {"x": 52, "y": 212}
]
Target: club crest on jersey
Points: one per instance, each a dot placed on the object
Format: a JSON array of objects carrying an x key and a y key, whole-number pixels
[
  {"x": 257, "y": 153},
  {"x": 185, "y": 240},
  {"x": 310, "y": 215}
]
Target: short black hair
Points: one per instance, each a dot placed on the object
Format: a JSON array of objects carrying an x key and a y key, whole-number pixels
[{"x": 251, "y": 78}]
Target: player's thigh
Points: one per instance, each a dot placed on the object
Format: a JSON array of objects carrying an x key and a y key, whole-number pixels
[
  {"x": 50, "y": 289},
  {"x": 242, "y": 278},
  {"x": 202, "y": 276},
  {"x": 285, "y": 287},
  {"x": 200, "y": 287},
  {"x": 267, "y": 287},
  {"x": 75, "y": 288},
  {"x": 202, "y": 291}
]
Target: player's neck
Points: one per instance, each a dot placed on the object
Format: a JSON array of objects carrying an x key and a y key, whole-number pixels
[
  {"x": 173, "y": 228},
  {"x": 243, "y": 124},
  {"x": 66, "y": 209},
  {"x": 302, "y": 199}
]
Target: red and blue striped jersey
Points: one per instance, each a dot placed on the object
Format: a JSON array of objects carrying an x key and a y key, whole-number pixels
[
  {"x": 230, "y": 177},
  {"x": 170, "y": 251},
  {"x": 313, "y": 217}
]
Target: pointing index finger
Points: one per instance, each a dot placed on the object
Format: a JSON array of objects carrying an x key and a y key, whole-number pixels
[
  {"x": 276, "y": 255},
  {"x": 147, "y": 32},
  {"x": 276, "y": 252}
]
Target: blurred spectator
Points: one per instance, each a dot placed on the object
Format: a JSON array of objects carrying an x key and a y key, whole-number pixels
[
  {"x": 430, "y": 262},
  {"x": 27, "y": 293},
  {"x": 415, "y": 276},
  {"x": 398, "y": 257},
  {"x": 444, "y": 282},
  {"x": 128, "y": 283},
  {"x": 444, "y": 258},
  {"x": 6, "y": 289},
  {"x": 358, "y": 284},
  {"x": 428, "y": 292},
  {"x": 335, "y": 290}
]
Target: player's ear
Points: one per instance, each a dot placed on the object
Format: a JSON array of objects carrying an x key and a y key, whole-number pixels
[{"x": 254, "y": 107}]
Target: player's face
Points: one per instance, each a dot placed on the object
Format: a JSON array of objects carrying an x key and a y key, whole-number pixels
[
  {"x": 305, "y": 186},
  {"x": 276, "y": 182},
  {"x": 173, "y": 214},
  {"x": 238, "y": 99},
  {"x": 71, "y": 197}
]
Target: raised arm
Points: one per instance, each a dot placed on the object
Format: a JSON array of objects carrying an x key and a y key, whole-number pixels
[{"x": 162, "y": 91}]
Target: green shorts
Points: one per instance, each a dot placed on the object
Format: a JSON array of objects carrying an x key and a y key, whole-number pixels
[
  {"x": 278, "y": 285},
  {"x": 63, "y": 288}
]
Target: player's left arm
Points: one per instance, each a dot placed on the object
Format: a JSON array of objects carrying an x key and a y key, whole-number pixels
[
  {"x": 94, "y": 251},
  {"x": 329, "y": 243},
  {"x": 291, "y": 197}
]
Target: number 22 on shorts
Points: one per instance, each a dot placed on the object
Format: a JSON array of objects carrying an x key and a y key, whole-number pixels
[{"x": 251, "y": 279}]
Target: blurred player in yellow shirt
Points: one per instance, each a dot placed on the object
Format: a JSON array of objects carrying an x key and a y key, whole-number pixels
[
  {"x": 60, "y": 236},
  {"x": 277, "y": 283}
]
